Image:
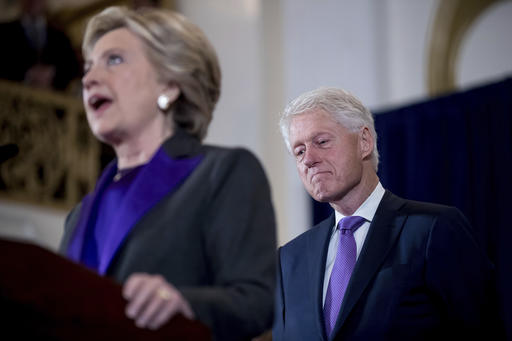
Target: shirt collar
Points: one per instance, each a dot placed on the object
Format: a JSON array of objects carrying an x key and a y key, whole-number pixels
[{"x": 368, "y": 207}]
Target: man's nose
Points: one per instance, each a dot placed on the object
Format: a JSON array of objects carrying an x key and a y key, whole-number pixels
[{"x": 310, "y": 157}]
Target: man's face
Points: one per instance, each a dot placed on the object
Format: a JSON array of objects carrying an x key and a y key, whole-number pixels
[{"x": 328, "y": 156}]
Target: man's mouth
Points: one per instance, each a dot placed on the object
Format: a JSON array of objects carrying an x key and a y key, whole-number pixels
[{"x": 314, "y": 176}]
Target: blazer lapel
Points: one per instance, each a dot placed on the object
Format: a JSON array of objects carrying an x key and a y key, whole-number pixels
[
  {"x": 319, "y": 242},
  {"x": 87, "y": 214},
  {"x": 384, "y": 230},
  {"x": 157, "y": 179},
  {"x": 170, "y": 165}
]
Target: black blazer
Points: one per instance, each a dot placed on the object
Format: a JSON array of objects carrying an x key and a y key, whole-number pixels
[
  {"x": 213, "y": 238},
  {"x": 420, "y": 276}
]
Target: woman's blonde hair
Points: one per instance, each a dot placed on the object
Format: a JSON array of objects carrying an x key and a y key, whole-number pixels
[{"x": 179, "y": 51}]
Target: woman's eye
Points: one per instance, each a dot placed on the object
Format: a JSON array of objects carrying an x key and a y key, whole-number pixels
[{"x": 114, "y": 59}]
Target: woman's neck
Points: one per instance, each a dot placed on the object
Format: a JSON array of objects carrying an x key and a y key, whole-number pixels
[{"x": 138, "y": 151}]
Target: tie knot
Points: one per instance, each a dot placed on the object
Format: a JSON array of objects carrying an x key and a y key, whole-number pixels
[{"x": 350, "y": 224}]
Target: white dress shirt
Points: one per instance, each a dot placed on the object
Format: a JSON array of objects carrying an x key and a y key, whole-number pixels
[{"x": 366, "y": 210}]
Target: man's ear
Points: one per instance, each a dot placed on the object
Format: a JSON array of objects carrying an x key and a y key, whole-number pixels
[{"x": 366, "y": 142}]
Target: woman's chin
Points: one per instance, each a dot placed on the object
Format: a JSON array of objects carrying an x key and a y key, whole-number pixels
[{"x": 109, "y": 137}]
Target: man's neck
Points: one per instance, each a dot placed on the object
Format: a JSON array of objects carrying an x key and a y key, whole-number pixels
[{"x": 356, "y": 197}]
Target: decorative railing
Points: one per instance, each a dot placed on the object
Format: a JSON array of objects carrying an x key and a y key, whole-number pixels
[{"x": 58, "y": 160}]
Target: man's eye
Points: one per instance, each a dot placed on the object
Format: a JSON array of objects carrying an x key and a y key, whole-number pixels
[
  {"x": 299, "y": 152},
  {"x": 114, "y": 59}
]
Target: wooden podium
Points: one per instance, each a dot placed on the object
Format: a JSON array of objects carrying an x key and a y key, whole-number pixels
[{"x": 45, "y": 296}]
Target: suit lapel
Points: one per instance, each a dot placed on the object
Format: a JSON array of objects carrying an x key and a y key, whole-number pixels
[
  {"x": 161, "y": 176},
  {"x": 384, "y": 230},
  {"x": 170, "y": 165},
  {"x": 319, "y": 241},
  {"x": 88, "y": 214}
]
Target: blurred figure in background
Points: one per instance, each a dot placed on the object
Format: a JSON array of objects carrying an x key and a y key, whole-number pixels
[
  {"x": 187, "y": 228},
  {"x": 35, "y": 52}
]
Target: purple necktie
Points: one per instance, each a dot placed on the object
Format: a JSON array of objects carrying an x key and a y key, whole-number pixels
[{"x": 342, "y": 269}]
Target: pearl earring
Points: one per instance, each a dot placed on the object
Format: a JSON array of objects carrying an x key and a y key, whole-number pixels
[{"x": 164, "y": 102}]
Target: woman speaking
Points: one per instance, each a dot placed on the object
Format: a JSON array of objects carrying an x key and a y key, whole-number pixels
[{"x": 186, "y": 228}]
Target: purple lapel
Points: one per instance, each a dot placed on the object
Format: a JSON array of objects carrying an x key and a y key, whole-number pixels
[
  {"x": 88, "y": 209},
  {"x": 155, "y": 180}
]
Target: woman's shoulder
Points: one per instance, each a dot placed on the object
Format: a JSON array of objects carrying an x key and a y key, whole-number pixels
[
  {"x": 238, "y": 154},
  {"x": 232, "y": 160}
]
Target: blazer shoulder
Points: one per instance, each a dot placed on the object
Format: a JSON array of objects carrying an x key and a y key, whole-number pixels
[
  {"x": 413, "y": 207},
  {"x": 422, "y": 213},
  {"x": 426, "y": 208},
  {"x": 183, "y": 145},
  {"x": 224, "y": 160},
  {"x": 234, "y": 154}
]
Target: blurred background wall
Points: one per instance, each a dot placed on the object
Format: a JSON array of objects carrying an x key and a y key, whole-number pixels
[{"x": 389, "y": 53}]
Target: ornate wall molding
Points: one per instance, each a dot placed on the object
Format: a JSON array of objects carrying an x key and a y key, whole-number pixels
[
  {"x": 59, "y": 159},
  {"x": 451, "y": 23}
]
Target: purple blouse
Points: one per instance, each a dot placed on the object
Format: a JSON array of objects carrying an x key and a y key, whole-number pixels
[
  {"x": 100, "y": 235},
  {"x": 110, "y": 212}
]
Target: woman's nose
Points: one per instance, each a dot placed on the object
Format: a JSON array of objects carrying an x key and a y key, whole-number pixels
[{"x": 90, "y": 78}]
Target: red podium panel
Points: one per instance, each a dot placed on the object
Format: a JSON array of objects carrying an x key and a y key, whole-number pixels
[{"x": 46, "y": 296}]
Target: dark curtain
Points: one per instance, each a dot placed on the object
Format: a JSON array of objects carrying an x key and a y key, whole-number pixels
[{"x": 456, "y": 150}]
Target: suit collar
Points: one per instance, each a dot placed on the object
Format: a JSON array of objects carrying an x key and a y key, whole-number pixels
[
  {"x": 384, "y": 230},
  {"x": 171, "y": 164},
  {"x": 182, "y": 144},
  {"x": 88, "y": 212},
  {"x": 318, "y": 240},
  {"x": 161, "y": 176}
]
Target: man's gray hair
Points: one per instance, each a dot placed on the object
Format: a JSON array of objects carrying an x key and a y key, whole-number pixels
[{"x": 344, "y": 108}]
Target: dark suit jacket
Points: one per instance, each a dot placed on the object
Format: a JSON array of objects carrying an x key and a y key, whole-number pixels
[
  {"x": 420, "y": 275},
  {"x": 213, "y": 238}
]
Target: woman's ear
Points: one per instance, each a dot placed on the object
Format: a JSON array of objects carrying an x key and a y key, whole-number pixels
[
  {"x": 173, "y": 92},
  {"x": 168, "y": 96}
]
